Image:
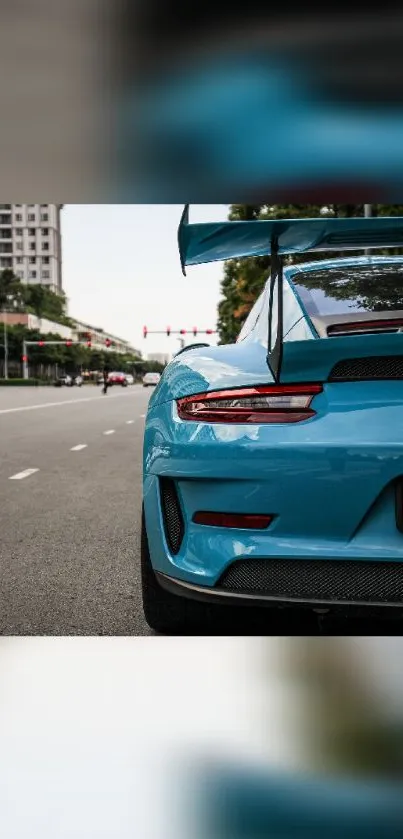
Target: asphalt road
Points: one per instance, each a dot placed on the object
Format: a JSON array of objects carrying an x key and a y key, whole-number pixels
[
  {"x": 69, "y": 546},
  {"x": 70, "y": 528}
]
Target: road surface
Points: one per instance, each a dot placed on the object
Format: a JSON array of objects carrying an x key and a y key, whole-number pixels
[
  {"x": 70, "y": 500},
  {"x": 70, "y": 529}
]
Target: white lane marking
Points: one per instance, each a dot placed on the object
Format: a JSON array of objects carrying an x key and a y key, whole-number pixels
[
  {"x": 79, "y": 447},
  {"x": 142, "y": 416},
  {"x": 25, "y": 474},
  {"x": 63, "y": 403},
  {"x": 129, "y": 422},
  {"x": 111, "y": 431}
]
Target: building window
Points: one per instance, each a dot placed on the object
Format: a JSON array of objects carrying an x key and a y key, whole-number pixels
[
  {"x": 44, "y": 206},
  {"x": 45, "y": 275},
  {"x": 31, "y": 216},
  {"x": 18, "y": 231},
  {"x": 45, "y": 217},
  {"x": 19, "y": 246},
  {"x": 32, "y": 246},
  {"x": 20, "y": 274},
  {"x": 32, "y": 260},
  {"x": 45, "y": 246},
  {"x": 5, "y": 262},
  {"x": 45, "y": 231},
  {"x": 32, "y": 275},
  {"x": 31, "y": 231},
  {"x": 19, "y": 260},
  {"x": 45, "y": 260},
  {"x": 18, "y": 217}
]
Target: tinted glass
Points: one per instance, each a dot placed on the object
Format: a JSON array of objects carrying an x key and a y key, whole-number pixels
[{"x": 354, "y": 288}]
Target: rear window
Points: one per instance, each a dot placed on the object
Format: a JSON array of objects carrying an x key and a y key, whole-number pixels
[{"x": 354, "y": 288}]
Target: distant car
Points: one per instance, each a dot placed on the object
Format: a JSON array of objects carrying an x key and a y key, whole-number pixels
[
  {"x": 151, "y": 379},
  {"x": 118, "y": 379},
  {"x": 63, "y": 381},
  {"x": 129, "y": 379}
]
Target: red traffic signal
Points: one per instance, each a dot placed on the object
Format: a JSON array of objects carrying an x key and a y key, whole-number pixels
[
  {"x": 41, "y": 343},
  {"x": 195, "y": 331},
  {"x": 209, "y": 331},
  {"x": 182, "y": 332},
  {"x": 168, "y": 331},
  {"x": 145, "y": 330},
  {"x": 68, "y": 343},
  {"x": 24, "y": 358}
]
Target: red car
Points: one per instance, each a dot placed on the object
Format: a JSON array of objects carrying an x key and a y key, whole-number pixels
[{"x": 117, "y": 379}]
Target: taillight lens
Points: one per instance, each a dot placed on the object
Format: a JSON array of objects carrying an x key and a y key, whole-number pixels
[{"x": 265, "y": 404}]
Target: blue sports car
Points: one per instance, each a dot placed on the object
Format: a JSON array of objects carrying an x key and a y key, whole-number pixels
[{"x": 273, "y": 467}]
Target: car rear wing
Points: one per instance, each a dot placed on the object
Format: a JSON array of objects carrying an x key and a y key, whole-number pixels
[{"x": 216, "y": 241}]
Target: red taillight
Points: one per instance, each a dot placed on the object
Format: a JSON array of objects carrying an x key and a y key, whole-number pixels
[
  {"x": 265, "y": 404},
  {"x": 366, "y": 326},
  {"x": 246, "y": 522}
]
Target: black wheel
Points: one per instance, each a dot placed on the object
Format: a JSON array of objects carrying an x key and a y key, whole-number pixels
[{"x": 167, "y": 613}]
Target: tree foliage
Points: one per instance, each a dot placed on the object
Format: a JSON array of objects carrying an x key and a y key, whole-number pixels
[{"x": 244, "y": 279}]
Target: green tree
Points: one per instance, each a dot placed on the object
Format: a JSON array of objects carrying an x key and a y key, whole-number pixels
[{"x": 11, "y": 292}]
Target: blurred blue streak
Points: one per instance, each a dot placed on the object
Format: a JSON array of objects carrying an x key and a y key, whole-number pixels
[
  {"x": 247, "y": 123},
  {"x": 237, "y": 804}
]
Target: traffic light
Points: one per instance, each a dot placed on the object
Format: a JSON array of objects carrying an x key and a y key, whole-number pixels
[
  {"x": 145, "y": 330},
  {"x": 182, "y": 332},
  {"x": 24, "y": 358},
  {"x": 209, "y": 331},
  {"x": 168, "y": 331},
  {"x": 69, "y": 343},
  {"x": 108, "y": 343},
  {"x": 41, "y": 343},
  {"x": 195, "y": 331}
]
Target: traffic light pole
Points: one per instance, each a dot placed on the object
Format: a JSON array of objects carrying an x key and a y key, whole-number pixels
[{"x": 168, "y": 331}]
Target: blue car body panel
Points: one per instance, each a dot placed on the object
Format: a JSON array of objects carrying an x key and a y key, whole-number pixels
[{"x": 327, "y": 481}]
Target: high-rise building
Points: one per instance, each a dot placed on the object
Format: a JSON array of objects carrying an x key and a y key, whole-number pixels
[{"x": 30, "y": 243}]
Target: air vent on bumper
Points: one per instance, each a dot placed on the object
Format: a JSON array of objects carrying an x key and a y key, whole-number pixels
[{"x": 172, "y": 515}]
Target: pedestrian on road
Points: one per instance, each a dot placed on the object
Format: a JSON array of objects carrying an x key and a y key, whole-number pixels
[{"x": 106, "y": 382}]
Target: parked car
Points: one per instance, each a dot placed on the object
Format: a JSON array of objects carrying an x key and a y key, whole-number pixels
[
  {"x": 273, "y": 467},
  {"x": 151, "y": 379},
  {"x": 129, "y": 379}
]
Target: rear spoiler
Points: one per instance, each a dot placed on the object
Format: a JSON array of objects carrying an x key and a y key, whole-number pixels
[{"x": 215, "y": 241}]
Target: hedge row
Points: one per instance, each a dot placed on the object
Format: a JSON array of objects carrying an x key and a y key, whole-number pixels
[{"x": 22, "y": 382}]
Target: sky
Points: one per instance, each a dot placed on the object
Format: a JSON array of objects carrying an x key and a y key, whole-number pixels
[{"x": 121, "y": 271}]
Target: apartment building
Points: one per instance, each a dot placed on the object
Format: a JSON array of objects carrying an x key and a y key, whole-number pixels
[{"x": 30, "y": 243}]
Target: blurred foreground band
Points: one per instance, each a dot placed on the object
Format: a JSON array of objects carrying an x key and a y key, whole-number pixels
[{"x": 149, "y": 102}]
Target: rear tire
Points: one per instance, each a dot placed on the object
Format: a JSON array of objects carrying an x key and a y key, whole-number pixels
[{"x": 164, "y": 612}]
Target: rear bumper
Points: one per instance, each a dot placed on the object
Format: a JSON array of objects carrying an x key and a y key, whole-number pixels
[{"x": 217, "y": 595}]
